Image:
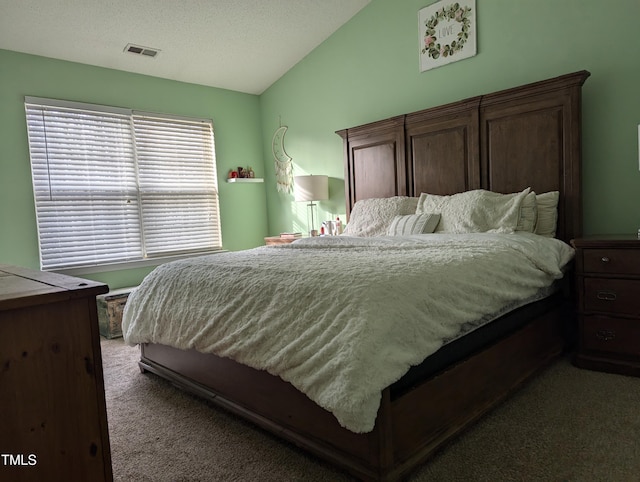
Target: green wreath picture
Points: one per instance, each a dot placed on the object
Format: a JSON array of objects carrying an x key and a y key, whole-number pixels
[{"x": 453, "y": 12}]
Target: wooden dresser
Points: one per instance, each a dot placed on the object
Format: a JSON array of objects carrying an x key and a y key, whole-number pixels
[
  {"x": 608, "y": 297},
  {"x": 53, "y": 424}
]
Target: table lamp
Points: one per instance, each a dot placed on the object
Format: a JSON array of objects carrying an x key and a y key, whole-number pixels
[{"x": 311, "y": 188}]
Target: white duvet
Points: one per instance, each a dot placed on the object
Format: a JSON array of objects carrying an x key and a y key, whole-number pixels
[{"x": 340, "y": 318}]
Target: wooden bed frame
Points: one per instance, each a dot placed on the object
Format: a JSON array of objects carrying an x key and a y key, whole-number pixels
[{"x": 505, "y": 142}]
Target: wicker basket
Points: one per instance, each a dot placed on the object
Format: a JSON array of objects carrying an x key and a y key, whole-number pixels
[{"x": 110, "y": 308}]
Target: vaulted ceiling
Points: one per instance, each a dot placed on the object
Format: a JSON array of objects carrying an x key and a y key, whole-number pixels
[{"x": 241, "y": 45}]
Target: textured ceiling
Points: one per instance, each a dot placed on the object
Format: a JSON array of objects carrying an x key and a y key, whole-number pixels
[{"x": 242, "y": 45}]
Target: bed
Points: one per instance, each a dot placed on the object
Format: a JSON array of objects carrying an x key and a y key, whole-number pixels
[{"x": 506, "y": 146}]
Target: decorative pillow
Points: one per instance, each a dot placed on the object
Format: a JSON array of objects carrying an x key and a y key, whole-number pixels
[
  {"x": 413, "y": 224},
  {"x": 528, "y": 214},
  {"x": 372, "y": 217},
  {"x": 547, "y": 213},
  {"x": 476, "y": 211}
]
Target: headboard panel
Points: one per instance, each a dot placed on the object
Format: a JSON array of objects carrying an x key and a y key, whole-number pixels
[
  {"x": 443, "y": 148},
  {"x": 528, "y": 136},
  {"x": 376, "y": 154},
  {"x": 531, "y": 138}
]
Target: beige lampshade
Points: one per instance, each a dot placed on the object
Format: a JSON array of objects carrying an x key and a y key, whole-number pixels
[{"x": 311, "y": 188}]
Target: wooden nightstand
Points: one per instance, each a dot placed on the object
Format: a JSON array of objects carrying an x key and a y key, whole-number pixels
[
  {"x": 608, "y": 303},
  {"x": 274, "y": 240}
]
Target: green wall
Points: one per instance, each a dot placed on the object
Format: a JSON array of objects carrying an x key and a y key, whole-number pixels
[
  {"x": 368, "y": 70},
  {"x": 237, "y": 131}
]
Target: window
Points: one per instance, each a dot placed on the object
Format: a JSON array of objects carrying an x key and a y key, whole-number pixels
[{"x": 114, "y": 186}]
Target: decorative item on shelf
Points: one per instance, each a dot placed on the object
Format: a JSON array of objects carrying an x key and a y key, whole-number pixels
[
  {"x": 327, "y": 228},
  {"x": 311, "y": 188},
  {"x": 242, "y": 174},
  {"x": 246, "y": 173},
  {"x": 331, "y": 228},
  {"x": 283, "y": 164}
]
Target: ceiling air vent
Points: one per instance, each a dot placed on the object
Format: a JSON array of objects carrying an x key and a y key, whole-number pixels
[{"x": 139, "y": 50}]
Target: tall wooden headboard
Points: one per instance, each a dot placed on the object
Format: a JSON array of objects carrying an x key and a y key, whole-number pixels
[{"x": 527, "y": 136}]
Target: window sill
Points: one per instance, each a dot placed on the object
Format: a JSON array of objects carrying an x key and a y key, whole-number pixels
[{"x": 104, "y": 268}]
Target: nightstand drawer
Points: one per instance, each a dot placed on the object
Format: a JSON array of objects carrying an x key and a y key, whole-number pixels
[
  {"x": 612, "y": 261},
  {"x": 613, "y": 335},
  {"x": 618, "y": 296}
]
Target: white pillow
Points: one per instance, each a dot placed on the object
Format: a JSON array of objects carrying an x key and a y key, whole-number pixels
[
  {"x": 476, "y": 211},
  {"x": 547, "y": 213},
  {"x": 528, "y": 213},
  {"x": 413, "y": 224},
  {"x": 372, "y": 217}
]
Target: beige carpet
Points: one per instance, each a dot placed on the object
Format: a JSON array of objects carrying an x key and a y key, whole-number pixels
[{"x": 566, "y": 425}]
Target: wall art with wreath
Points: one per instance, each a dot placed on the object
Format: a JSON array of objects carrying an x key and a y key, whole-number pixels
[{"x": 447, "y": 32}]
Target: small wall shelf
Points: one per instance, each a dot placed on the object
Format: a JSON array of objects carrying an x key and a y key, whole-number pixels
[{"x": 245, "y": 179}]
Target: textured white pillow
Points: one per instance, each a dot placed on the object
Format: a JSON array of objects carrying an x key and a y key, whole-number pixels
[
  {"x": 547, "y": 213},
  {"x": 528, "y": 214},
  {"x": 413, "y": 224},
  {"x": 372, "y": 217},
  {"x": 476, "y": 211}
]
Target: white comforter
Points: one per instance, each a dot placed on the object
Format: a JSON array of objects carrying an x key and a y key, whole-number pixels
[{"x": 341, "y": 318}]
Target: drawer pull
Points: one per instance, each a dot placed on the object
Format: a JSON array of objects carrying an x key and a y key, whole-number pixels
[
  {"x": 606, "y": 295},
  {"x": 605, "y": 335},
  {"x": 605, "y": 259}
]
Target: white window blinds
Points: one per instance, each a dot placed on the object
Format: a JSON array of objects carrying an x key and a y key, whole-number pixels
[{"x": 115, "y": 186}]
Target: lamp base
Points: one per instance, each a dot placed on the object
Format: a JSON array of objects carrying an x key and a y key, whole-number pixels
[{"x": 312, "y": 230}]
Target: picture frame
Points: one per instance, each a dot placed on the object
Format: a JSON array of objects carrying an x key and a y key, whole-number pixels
[{"x": 447, "y": 33}]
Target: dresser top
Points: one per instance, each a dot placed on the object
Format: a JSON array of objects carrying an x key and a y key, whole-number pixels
[
  {"x": 607, "y": 241},
  {"x": 20, "y": 287}
]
